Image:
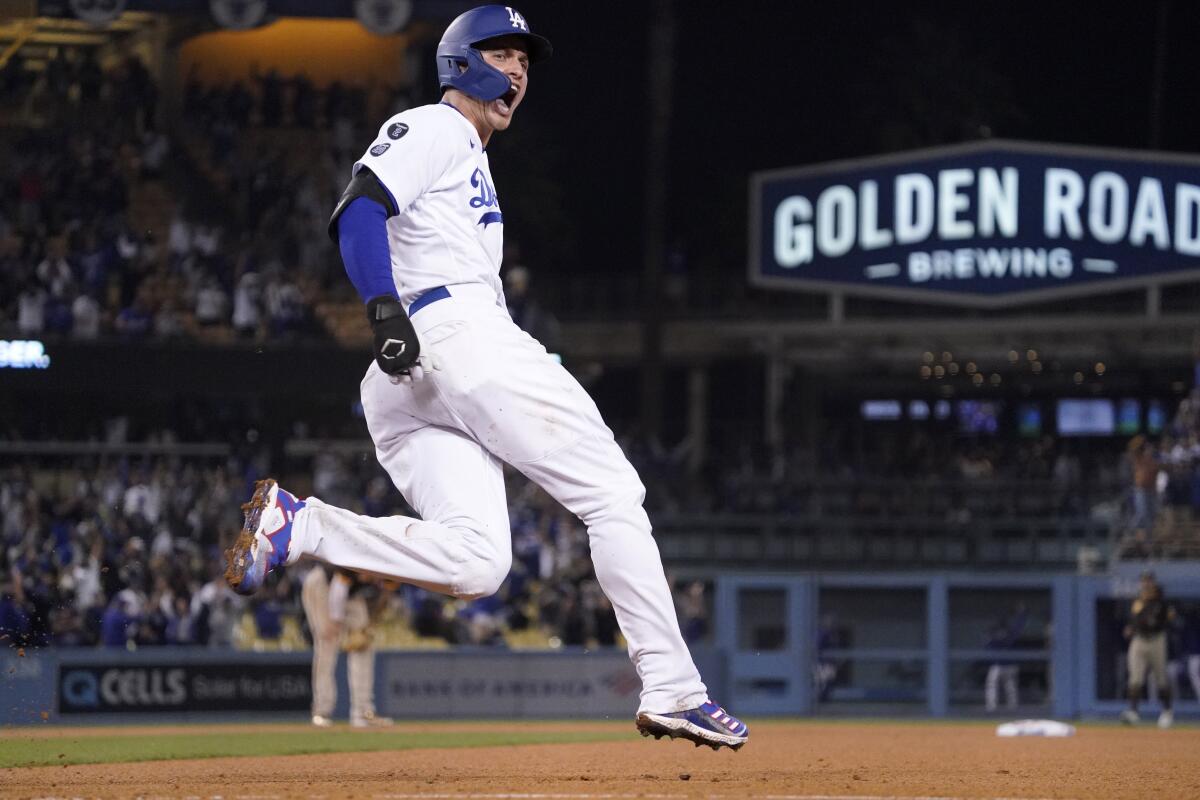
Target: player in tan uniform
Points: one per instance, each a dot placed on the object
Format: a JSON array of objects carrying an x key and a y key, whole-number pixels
[
  {"x": 339, "y": 615},
  {"x": 1147, "y": 635}
]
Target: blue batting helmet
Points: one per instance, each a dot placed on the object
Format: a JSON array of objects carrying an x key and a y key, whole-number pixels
[{"x": 460, "y": 64}]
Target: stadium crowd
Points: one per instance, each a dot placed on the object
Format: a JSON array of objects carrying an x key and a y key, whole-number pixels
[
  {"x": 112, "y": 225},
  {"x": 126, "y": 552},
  {"x": 1165, "y": 479}
]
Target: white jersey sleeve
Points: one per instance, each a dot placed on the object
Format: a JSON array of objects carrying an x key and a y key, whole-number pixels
[
  {"x": 448, "y": 229},
  {"x": 410, "y": 153}
]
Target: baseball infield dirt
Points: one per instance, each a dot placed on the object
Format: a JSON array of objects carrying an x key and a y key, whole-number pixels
[{"x": 808, "y": 760}]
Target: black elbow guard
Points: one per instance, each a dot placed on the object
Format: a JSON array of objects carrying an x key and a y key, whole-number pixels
[{"x": 364, "y": 184}]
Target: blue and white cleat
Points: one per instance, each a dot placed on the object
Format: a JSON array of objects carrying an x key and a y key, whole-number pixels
[
  {"x": 263, "y": 542},
  {"x": 709, "y": 724}
]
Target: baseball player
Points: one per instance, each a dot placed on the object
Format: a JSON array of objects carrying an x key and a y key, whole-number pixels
[
  {"x": 1005, "y": 635},
  {"x": 456, "y": 388},
  {"x": 1148, "y": 649},
  {"x": 336, "y": 605}
]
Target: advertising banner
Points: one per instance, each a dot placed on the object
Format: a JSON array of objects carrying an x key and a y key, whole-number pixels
[
  {"x": 987, "y": 223},
  {"x": 90, "y": 688},
  {"x": 508, "y": 685}
]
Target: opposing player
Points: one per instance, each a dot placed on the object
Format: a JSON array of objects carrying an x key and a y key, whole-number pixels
[
  {"x": 456, "y": 388},
  {"x": 1147, "y": 633},
  {"x": 341, "y": 609}
]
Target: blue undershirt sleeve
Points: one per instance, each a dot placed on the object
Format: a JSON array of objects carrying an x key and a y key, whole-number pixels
[{"x": 363, "y": 240}]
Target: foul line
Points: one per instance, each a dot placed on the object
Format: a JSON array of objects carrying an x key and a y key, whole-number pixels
[{"x": 585, "y": 796}]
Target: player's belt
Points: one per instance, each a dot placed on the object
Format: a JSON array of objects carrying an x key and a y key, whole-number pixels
[{"x": 432, "y": 296}]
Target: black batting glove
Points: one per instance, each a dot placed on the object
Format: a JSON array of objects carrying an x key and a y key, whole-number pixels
[{"x": 396, "y": 345}]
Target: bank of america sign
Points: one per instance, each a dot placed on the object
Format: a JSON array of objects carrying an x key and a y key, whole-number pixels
[{"x": 986, "y": 223}]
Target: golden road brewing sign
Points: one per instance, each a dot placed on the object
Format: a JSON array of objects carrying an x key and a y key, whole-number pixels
[{"x": 984, "y": 224}]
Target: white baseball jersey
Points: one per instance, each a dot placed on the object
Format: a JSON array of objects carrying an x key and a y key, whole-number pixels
[
  {"x": 496, "y": 396},
  {"x": 449, "y": 230}
]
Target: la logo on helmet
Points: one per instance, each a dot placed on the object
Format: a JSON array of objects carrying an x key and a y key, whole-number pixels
[{"x": 516, "y": 19}]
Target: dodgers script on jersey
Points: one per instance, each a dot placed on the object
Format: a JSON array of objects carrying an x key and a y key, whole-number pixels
[{"x": 450, "y": 229}]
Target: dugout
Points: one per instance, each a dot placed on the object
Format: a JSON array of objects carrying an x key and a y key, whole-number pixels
[{"x": 916, "y": 643}]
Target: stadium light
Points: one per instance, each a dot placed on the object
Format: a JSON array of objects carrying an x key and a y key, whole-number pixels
[
  {"x": 238, "y": 15},
  {"x": 98, "y": 13},
  {"x": 383, "y": 17}
]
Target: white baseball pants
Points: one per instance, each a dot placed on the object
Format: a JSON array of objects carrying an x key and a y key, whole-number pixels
[
  {"x": 500, "y": 397},
  {"x": 997, "y": 675}
]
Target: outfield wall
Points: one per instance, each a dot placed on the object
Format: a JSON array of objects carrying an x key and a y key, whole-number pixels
[
  {"x": 792, "y": 644},
  {"x": 173, "y": 684}
]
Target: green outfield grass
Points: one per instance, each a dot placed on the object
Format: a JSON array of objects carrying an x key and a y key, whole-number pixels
[{"x": 90, "y": 749}]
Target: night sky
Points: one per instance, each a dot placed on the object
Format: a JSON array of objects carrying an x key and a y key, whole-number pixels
[{"x": 759, "y": 85}]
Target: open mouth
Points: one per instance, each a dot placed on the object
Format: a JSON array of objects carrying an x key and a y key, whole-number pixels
[{"x": 506, "y": 100}]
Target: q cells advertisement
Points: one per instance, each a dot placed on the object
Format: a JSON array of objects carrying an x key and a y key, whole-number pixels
[
  {"x": 983, "y": 224},
  {"x": 116, "y": 688}
]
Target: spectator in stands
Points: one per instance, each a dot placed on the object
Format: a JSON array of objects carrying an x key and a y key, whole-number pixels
[
  {"x": 271, "y": 87},
  {"x": 180, "y": 623},
  {"x": 215, "y": 609},
  {"x": 604, "y": 628},
  {"x": 14, "y": 615},
  {"x": 84, "y": 575},
  {"x": 54, "y": 272},
  {"x": 30, "y": 193},
  {"x": 247, "y": 314},
  {"x": 119, "y": 623},
  {"x": 212, "y": 305},
  {"x": 136, "y": 320},
  {"x": 206, "y": 239},
  {"x": 428, "y": 615},
  {"x": 66, "y": 623},
  {"x": 85, "y": 317},
  {"x": 1175, "y": 462},
  {"x": 285, "y": 305},
  {"x": 179, "y": 237},
  {"x": 143, "y": 499},
  {"x": 155, "y": 149},
  {"x": 31, "y": 309},
  {"x": 268, "y": 617},
  {"x": 1066, "y": 477},
  {"x": 975, "y": 465},
  {"x": 168, "y": 321},
  {"x": 1145, "y": 476},
  {"x": 304, "y": 102},
  {"x": 568, "y": 617}
]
